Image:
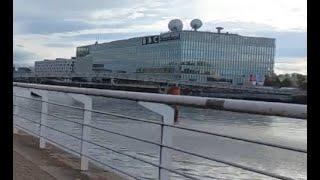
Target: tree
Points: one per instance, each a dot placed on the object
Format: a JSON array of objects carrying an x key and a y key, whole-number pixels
[
  {"x": 300, "y": 80},
  {"x": 286, "y": 82},
  {"x": 272, "y": 80},
  {"x": 303, "y": 85}
]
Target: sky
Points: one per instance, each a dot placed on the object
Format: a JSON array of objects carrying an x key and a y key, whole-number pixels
[{"x": 54, "y": 28}]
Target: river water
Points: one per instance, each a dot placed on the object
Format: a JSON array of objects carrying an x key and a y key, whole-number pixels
[{"x": 284, "y": 131}]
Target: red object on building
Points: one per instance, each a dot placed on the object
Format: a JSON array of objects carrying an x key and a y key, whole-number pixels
[
  {"x": 175, "y": 90},
  {"x": 252, "y": 78}
]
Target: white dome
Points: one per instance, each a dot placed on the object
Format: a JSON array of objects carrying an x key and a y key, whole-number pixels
[
  {"x": 175, "y": 25},
  {"x": 196, "y": 24}
]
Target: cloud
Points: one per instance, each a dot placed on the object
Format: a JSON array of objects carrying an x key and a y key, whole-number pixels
[
  {"x": 287, "y": 15},
  {"x": 276, "y": 13},
  {"x": 47, "y": 26},
  {"x": 38, "y": 17},
  {"x": 69, "y": 45},
  {"x": 23, "y": 57},
  {"x": 53, "y": 29},
  {"x": 291, "y": 65},
  {"x": 288, "y": 43},
  {"x": 118, "y": 14},
  {"x": 105, "y": 37}
]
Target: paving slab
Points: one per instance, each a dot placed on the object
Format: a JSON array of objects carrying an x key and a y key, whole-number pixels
[{"x": 30, "y": 162}]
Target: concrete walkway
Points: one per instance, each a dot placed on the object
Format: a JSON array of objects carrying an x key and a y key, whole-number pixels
[{"x": 32, "y": 163}]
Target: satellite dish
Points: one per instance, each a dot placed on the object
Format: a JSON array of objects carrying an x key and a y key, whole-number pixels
[
  {"x": 175, "y": 25},
  {"x": 219, "y": 29},
  {"x": 196, "y": 24}
]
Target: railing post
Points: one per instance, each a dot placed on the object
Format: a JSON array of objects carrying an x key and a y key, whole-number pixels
[
  {"x": 87, "y": 101},
  {"x": 167, "y": 114},
  {"x": 15, "y": 111},
  {"x": 44, "y": 118}
]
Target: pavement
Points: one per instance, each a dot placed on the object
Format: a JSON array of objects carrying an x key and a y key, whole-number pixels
[{"x": 32, "y": 163}]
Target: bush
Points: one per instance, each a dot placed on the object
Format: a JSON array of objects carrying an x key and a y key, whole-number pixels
[{"x": 287, "y": 80}]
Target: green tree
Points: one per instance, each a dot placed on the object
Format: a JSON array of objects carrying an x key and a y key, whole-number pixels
[
  {"x": 286, "y": 82},
  {"x": 293, "y": 80},
  {"x": 300, "y": 80},
  {"x": 272, "y": 80}
]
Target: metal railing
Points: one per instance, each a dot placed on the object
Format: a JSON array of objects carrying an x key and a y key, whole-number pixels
[{"x": 156, "y": 103}]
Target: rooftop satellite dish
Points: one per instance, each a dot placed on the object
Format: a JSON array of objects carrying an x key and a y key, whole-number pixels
[
  {"x": 219, "y": 29},
  {"x": 196, "y": 24},
  {"x": 175, "y": 25}
]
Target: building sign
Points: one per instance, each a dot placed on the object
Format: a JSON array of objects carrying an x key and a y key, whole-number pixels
[
  {"x": 150, "y": 40},
  {"x": 169, "y": 36},
  {"x": 158, "y": 39}
]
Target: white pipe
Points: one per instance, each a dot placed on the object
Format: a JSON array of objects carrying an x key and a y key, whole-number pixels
[{"x": 253, "y": 107}]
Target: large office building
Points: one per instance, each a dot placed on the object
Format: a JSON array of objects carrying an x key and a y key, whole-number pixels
[{"x": 188, "y": 55}]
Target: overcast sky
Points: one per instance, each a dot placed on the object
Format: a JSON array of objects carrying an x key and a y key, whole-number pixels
[{"x": 54, "y": 28}]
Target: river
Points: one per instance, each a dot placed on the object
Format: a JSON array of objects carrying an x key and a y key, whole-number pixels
[{"x": 280, "y": 130}]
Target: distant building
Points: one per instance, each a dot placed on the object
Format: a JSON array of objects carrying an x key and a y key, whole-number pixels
[
  {"x": 24, "y": 70},
  {"x": 187, "y": 55},
  {"x": 61, "y": 66}
]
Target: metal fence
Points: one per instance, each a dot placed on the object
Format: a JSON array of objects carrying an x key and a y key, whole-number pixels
[{"x": 156, "y": 103}]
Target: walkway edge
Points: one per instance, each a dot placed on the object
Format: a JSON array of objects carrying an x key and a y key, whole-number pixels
[{"x": 55, "y": 162}]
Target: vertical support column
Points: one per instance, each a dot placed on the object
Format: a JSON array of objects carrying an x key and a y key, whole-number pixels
[
  {"x": 175, "y": 90},
  {"x": 43, "y": 120},
  {"x": 167, "y": 114},
  {"x": 112, "y": 81},
  {"x": 15, "y": 111},
  {"x": 87, "y": 101}
]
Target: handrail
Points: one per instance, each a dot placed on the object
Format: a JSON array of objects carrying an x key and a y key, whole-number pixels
[
  {"x": 173, "y": 126},
  {"x": 110, "y": 149},
  {"x": 169, "y": 147},
  {"x": 244, "y": 106},
  {"x": 185, "y": 100}
]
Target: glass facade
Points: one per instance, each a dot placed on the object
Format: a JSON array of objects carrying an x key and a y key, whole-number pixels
[
  {"x": 210, "y": 56},
  {"x": 191, "y": 55}
]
